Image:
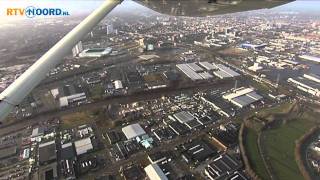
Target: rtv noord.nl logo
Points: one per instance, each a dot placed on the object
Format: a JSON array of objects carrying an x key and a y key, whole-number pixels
[{"x": 32, "y": 12}]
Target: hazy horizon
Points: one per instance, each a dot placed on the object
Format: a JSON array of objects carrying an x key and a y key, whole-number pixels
[{"x": 83, "y": 7}]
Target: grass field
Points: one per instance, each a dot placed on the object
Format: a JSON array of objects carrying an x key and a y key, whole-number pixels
[
  {"x": 252, "y": 150},
  {"x": 279, "y": 144},
  {"x": 290, "y": 122},
  {"x": 283, "y": 108},
  {"x": 75, "y": 119}
]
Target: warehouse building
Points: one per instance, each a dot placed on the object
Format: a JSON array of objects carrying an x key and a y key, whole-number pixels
[
  {"x": 226, "y": 136},
  {"x": 224, "y": 72},
  {"x": 306, "y": 84},
  {"x": 256, "y": 67},
  {"x": 159, "y": 157},
  {"x": 195, "y": 67},
  {"x": 238, "y": 176},
  {"x": 227, "y": 70},
  {"x": 187, "y": 119},
  {"x": 37, "y": 134},
  {"x": 208, "y": 120},
  {"x": 83, "y": 146},
  {"x": 133, "y": 131},
  {"x": 154, "y": 172},
  {"x": 67, "y": 151},
  {"x": 208, "y": 66},
  {"x": 47, "y": 152},
  {"x": 184, "y": 116},
  {"x": 178, "y": 128},
  {"x": 195, "y": 72},
  {"x": 222, "y": 167},
  {"x": 132, "y": 172},
  {"x": 222, "y": 107},
  {"x": 221, "y": 74},
  {"x": 312, "y": 77},
  {"x": 70, "y": 94},
  {"x": 197, "y": 151},
  {"x": 189, "y": 72},
  {"x": 114, "y": 136},
  {"x": 205, "y": 75},
  {"x": 243, "y": 97},
  {"x": 310, "y": 58},
  {"x": 8, "y": 152}
]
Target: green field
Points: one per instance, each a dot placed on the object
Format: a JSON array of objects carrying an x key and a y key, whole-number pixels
[
  {"x": 287, "y": 123},
  {"x": 279, "y": 144},
  {"x": 281, "y": 109},
  {"x": 254, "y": 157}
]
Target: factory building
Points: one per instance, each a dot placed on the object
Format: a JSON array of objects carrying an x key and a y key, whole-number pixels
[
  {"x": 205, "y": 75},
  {"x": 256, "y": 67},
  {"x": 184, "y": 116},
  {"x": 312, "y": 77},
  {"x": 222, "y": 107},
  {"x": 83, "y": 146},
  {"x": 70, "y": 94},
  {"x": 227, "y": 70},
  {"x": 310, "y": 58},
  {"x": 222, "y": 167},
  {"x": 154, "y": 172},
  {"x": 225, "y": 136},
  {"x": 133, "y": 131},
  {"x": 195, "y": 72},
  {"x": 67, "y": 151},
  {"x": 178, "y": 128},
  {"x": 243, "y": 97},
  {"x": 197, "y": 151},
  {"x": 95, "y": 52},
  {"x": 66, "y": 100},
  {"x": 208, "y": 66},
  {"x": 195, "y": 67},
  {"x": 37, "y": 134},
  {"x": 8, "y": 152},
  {"x": 253, "y": 46},
  {"x": 189, "y": 72},
  {"x": 47, "y": 152},
  {"x": 187, "y": 118},
  {"x": 307, "y": 83},
  {"x": 159, "y": 157},
  {"x": 224, "y": 72}
]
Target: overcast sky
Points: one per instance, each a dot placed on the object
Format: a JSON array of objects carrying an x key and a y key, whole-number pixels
[{"x": 76, "y": 7}]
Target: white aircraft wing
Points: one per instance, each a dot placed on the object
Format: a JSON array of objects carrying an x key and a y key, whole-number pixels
[{"x": 21, "y": 87}]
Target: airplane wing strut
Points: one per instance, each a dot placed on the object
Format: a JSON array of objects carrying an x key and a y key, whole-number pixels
[{"x": 14, "y": 94}]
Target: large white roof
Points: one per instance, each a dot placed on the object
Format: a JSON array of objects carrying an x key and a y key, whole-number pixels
[
  {"x": 189, "y": 72},
  {"x": 133, "y": 130},
  {"x": 154, "y": 172},
  {"x": 207, "y": 65},
  {"x": 237, "y": 93},
  {"x": 82, "y": 146}
]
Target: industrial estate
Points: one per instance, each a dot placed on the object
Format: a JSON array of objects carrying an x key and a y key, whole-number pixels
[{"x": 152, "y": 96}]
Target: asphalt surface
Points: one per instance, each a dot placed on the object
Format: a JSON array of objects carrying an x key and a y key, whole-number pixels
[{"x": 21, "y": 124}]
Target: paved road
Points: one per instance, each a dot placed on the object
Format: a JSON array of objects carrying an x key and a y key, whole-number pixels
[
  {"x": 19, "y": 125},
  {"x": 164, "y": 146}
]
